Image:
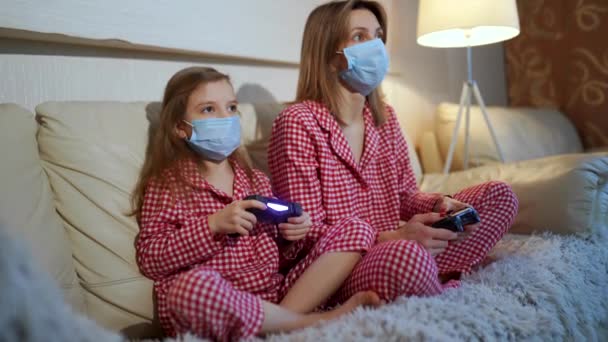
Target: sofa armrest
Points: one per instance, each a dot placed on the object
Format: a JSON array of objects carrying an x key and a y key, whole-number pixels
[
  {"x": 563, "y": 194},
  {"x": 599, "y": 149},
  {"x": 429, "y": 153}
]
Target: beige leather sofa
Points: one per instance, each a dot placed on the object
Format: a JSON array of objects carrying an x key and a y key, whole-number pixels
[
  {"x": 68, "y": 171},
  {"x": 523, "y": 134}
]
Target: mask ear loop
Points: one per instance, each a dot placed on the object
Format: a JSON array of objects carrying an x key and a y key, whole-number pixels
[{"x": 189, "y": 124}]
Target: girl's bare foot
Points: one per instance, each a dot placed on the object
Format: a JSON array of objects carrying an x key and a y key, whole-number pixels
[{"x": 278, "y": 319}]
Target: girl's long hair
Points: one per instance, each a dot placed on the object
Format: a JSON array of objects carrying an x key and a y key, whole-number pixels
[{"x": 165, "y": 148}]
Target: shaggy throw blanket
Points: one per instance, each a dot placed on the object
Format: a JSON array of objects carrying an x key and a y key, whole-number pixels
[
  {"x": 539, "y": 288},
  {"x": 31, "y": 305}
]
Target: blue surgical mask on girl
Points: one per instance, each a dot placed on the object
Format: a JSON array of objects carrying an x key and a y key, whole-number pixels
[
  {"x": 367, "y": 66},
  {"x": 215, "y": 138}
]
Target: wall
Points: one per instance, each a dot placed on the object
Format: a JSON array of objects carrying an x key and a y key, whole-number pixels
[
  {"x": 35, "y": 71},
  {"x": 428, "y": 76},
  {"x": 220, "y": 27}
]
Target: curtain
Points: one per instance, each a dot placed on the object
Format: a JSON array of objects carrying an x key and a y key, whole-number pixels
[{"x": 560, "y": 60}]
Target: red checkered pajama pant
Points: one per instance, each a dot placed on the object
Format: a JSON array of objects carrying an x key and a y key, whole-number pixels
[
  {"x": 201, "y": 301},
  {"x": 396, "y": 268}
]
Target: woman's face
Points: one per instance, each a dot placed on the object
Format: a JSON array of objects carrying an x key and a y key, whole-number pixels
[
  {"x": 363, "y": 26},
  {"x": 211, "y": 100}
]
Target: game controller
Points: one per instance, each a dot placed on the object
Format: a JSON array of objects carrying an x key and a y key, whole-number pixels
[
  {"x": 457, "y": 220},
  {"x": 277, "y": 211}
]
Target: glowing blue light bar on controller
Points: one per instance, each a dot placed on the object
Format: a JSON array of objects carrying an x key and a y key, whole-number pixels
[{"x": 277, "y": 207}]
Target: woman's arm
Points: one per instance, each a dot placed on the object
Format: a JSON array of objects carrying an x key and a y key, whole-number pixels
[
  {"x": 293, "y": 165},
  {"x": 165, "y": 244},
  {"x": 413, "y": 201}
]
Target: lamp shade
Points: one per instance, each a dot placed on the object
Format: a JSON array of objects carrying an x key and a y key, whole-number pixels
[{"x": 460, "y": 23}]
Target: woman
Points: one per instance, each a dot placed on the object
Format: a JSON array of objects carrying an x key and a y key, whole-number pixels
[{"x": 339, "y": 151}]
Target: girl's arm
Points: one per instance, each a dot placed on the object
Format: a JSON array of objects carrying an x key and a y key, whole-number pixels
[{"x": 166, "y": 243}]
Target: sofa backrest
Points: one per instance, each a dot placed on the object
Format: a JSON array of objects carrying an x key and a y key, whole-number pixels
[
  {"x": 26, "y": 201},
  {"x": 92, "y": 153},
  {"x": 523, "y": 133}
]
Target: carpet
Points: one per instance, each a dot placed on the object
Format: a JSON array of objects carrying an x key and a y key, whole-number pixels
[{"x": 539, "y": 288}]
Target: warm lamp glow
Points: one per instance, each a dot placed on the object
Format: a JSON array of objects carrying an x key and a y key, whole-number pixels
[
  {"x": 467, "y": 23},
  {"x": 461, "y": 23}
]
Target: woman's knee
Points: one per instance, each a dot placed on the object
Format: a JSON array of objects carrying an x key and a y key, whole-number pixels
[
  {"x": 503, "y": 196},
  {"x": 410, "y": 267},
  {"x": 352, "y": 232}
]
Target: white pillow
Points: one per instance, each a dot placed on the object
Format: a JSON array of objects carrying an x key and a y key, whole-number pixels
[{"x": 523, "y": 133}]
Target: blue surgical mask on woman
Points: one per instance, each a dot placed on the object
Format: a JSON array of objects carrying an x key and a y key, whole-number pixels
[
  {"x": 367, "y": 66},
  {"x": 215, "y": 138}
]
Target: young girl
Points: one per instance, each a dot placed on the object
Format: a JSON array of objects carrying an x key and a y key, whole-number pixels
[{"x": 215, "y": 267}]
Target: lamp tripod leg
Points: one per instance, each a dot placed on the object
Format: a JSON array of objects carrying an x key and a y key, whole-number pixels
[
  {"x": 466, "y": 129},
  {"x": 482, "y": 106},
  {"x": 463, "y": 96}
]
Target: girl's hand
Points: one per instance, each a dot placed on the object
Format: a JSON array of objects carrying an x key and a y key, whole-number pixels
[
  {"x": 295, "y": 228},
  {"x": 434, "y": 240},
  {"x": 235, "y": 218},
  {"x": 446, "y": 205}
]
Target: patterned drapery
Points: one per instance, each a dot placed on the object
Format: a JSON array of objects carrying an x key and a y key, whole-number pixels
[{"x": 560, "y": 59}]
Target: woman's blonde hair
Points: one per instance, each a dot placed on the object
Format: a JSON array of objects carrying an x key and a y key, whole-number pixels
[
  {"x": 327, "y": 28},
  {"x": 165, "y": 148}
]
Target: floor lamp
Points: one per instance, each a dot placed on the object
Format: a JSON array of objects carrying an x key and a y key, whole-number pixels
[{"x": 467, "y": 23}]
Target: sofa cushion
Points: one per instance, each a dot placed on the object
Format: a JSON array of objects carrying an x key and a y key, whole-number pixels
[
  {"x": 26, "y": 201},
  {"x": 564, "y": 194},
  {"x": 92, "y": 153},
  {"x": 523, "y": 133}
]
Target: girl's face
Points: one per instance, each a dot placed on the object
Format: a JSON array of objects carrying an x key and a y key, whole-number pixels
[{"x": 210, "y": 100}]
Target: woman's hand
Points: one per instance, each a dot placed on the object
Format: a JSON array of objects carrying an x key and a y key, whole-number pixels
[
  {"x": 295, "y": 228},
  {"x": 235, "y": 218},
  {"x": 448, "y": 204},
  {"x": 468, "y": 231},
  {"x": 435, "y": 240}
]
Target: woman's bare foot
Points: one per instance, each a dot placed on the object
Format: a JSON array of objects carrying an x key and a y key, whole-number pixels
[
  {"x": 445, "y": 277},
  {"x": 363, "y": 298},
  {"x": 489, "y": 259}
]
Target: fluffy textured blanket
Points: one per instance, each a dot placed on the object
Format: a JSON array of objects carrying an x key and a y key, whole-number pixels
[
  {"x": 32, "y": 308},
  {"x": 539, "y": 288}
]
